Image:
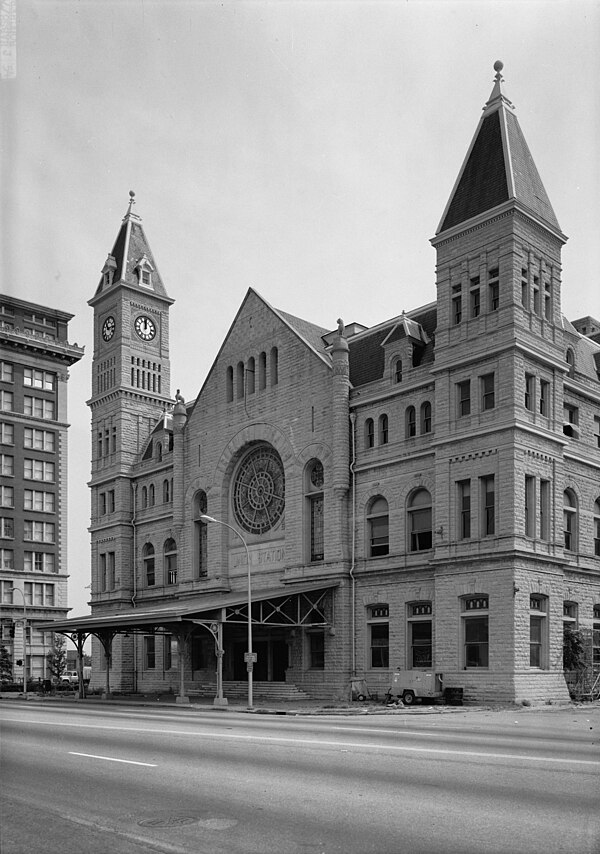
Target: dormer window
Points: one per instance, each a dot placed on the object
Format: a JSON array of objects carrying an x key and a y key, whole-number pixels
[
  {"x": 144, "y": 270},
  {"x": 108, "y": 272}
]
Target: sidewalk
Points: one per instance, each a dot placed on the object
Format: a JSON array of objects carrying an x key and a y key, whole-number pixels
[{"x": 303, "y": 707}]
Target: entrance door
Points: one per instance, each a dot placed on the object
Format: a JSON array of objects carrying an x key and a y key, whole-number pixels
[{"x": 279, "y": 653}]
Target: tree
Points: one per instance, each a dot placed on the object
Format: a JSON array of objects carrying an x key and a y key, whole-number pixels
[
  {"x": 57, "y": 657},
  {"x": 6, "y": 670},
  {"x": 573, "y": 650}
]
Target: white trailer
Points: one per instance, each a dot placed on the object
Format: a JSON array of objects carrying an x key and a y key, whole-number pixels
[{"x": 410, "y": 685}]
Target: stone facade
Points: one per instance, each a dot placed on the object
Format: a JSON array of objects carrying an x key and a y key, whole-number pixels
[
  {"x": 423, "y": 494},
  {"x": 35, "y": 357}
]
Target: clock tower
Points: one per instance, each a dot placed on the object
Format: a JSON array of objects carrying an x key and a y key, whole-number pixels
[{"x": 130, "y": 391}]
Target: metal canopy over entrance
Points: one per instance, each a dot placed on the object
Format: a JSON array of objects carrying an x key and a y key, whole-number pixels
[{"x": 284, "y": 607}]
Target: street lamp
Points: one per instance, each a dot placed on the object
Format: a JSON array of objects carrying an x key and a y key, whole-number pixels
[
  {"x": 249, "y": 654},
  {"x": 18, "y": 590}
]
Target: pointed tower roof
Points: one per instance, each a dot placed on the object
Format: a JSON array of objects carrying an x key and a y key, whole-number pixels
[
  {"x": 131, "y": 261},
  {"x": 498, "y": 168}
]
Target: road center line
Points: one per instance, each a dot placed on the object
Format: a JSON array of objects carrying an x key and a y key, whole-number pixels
[
  {"x": 112, "y": 759},
  {"x": 314, "y": 742}
]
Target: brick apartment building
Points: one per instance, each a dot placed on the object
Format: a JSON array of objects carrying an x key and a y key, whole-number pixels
[
  {"x": 35, "y": 357},
  {"x": 420, "y": 494}
]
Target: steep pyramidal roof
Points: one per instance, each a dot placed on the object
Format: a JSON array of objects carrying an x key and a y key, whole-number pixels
[
  {"x": 498, "y": 168},
  {"x": 130, "y": 255}
]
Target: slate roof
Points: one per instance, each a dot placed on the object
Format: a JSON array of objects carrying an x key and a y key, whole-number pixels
[
  {"x": 498, "y": 168},
  {"x": 367, "y": 356},
  {"x": 130, "y": 246}
]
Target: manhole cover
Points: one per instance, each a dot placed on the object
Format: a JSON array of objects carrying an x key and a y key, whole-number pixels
[
  {"x": 180, "y": 820},
  {"x": 168, "y": 821}
]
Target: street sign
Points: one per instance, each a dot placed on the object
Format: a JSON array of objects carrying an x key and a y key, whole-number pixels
[{"x": 251, "y": 656}]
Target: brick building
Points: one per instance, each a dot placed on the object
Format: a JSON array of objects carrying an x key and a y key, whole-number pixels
[
  {"x": 35, "y": 356},
  {"x": 422, "y": 494}
]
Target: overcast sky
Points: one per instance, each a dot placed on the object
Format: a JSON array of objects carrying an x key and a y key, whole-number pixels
[{"x": 306, "y": 149}]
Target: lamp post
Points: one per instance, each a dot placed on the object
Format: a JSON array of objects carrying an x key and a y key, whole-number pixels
[
  {"x": 249, "y": 654},
  {"x": 18, "y": 590}
]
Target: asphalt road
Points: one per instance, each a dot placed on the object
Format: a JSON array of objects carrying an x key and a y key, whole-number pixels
[{"x": 125, "y": 781}]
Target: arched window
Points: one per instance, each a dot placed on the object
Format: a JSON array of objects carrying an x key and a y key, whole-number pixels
[
  {"x": 378, "y": 523},
  {"x": 398, "y": 371},
  {"x": 369, "y": 433},
  {"x": 314, "y": 480},
  {"x": 159, "y": 451},
  {"x": 419, "y": 520},
  {"x": 229, "y": 384},
  {"x": 274, "y": 367},
  {"x": 149, "y": 570},
  {"x": 383, "y": 429},
  {"x": 262, "y": 371},
  {"x": 151, "y": 498},
  {"x": 250, "y": 376},
  {"x": 170, "y": 561},
  {"x": 571, "y": 362},
  {"x": 200, "y": 541},
  {"x": 166, "y": 491},
  {"x": 144, "y": 497},
  {"x": 411, "y": 422},
  {"x": 597, "y": 528},
  {"x": 426, "y": 417},
  {"x": 570, "y": 520},
  {"x": 240, "y": 380}
]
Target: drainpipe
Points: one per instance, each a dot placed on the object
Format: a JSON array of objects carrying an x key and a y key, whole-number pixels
[
  {"x": 353, "y": 562},
  {"x": 134, "y": 562},
  {"x": 133, "y": 525}
]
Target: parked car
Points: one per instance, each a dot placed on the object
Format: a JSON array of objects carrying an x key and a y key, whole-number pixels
[{"x": 70, "y": 677}]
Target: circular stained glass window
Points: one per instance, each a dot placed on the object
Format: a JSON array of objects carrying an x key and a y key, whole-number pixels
[{"x": 259, "y": 490}]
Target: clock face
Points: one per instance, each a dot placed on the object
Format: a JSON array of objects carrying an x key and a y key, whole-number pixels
[
  {"x": 145, "y": 327},
  {"x": 259, "y": 490},
  {"x": 108, "y": 328}
]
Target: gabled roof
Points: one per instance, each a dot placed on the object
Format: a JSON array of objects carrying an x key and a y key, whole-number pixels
[
  {"x": 310, "y": 334},
  {"x": 498, "y": 168},
  {"x": 131, "y": 250}
]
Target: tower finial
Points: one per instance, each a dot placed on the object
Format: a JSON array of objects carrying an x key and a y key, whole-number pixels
[
  {"x": 498, "y": 66},
  {"x": 131, "y": 200}
]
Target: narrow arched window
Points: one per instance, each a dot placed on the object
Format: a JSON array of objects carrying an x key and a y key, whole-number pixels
[
  {"x": 426, "y": 417},
  {"x": 314, "y": 481},
  {"x": 369, "y": 433},
  {"x": 419, "y": 521},
  {"x": 200, "y": 531},
  {"x": 250, "y": 376},
  {"x": 274, "y": 366},
  {"x": 170, "y": 561},
  {"x": 398, "y": 371},
  {"x": 570, "y": 520},
  {"x": 383, "y": 429},
  {"x": 149, "y": 566},
  {"x": 571, "y": 362},
  {"x": 378, "y": 524},
  {"x": 229, "y": 384},
  {"x": 166, "y": 491},
  {"x": 240, "y": 380},
  {"x": 151, "y": 498},
  {"x": 144, "y": 497},
  {"x": 411, "y": 422},
  {"x": 159, "y": 451},
  {"x": 262, "y": 371}
]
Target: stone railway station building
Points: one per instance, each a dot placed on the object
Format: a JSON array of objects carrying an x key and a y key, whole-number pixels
[{"x": 422, "y": 494}]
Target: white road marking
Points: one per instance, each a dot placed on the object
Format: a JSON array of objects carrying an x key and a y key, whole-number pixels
[
  {"x": 112, "y": 759},
  {"x": 313, "y": 742}
]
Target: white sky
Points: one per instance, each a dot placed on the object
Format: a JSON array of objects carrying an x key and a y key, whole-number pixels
[{"x": 306, "y": 149}]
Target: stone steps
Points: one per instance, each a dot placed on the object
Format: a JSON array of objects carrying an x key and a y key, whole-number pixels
[{"x": 262, "y": 690}]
